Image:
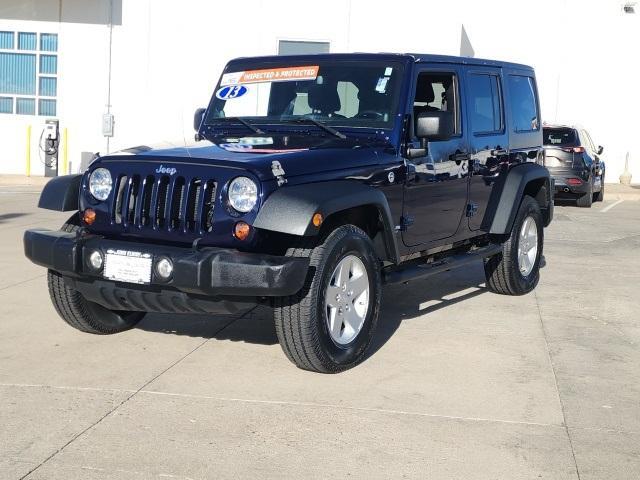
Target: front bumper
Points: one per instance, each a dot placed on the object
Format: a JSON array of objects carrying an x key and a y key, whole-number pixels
[{"x": 200, "y": 276}]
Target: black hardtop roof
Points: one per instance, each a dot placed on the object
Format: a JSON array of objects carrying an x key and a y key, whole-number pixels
[{"x": 412, "y": 57}]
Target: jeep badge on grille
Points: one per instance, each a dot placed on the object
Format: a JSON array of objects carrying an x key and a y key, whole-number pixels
[{"x": 167, "y": 170}]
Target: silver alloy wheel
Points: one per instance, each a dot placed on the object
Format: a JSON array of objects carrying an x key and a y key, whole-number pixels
[
  {"x": 527, "y": 246},
  {"x": 347, "y": 300}
]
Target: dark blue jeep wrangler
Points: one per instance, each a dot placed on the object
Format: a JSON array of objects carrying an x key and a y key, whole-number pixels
[{"x": 313, "y": 181}]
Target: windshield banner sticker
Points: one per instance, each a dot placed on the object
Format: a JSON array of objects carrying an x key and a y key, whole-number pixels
[
  {"x": 287, "y": 74},
  {"x": 230, "y": 92}
]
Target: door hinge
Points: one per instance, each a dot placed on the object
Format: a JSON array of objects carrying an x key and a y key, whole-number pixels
[
  {"x": 278, "y": 172},
  {"x": 472, "y": 209}
]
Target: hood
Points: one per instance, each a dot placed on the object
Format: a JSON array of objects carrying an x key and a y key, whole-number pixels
[{"x": 257, "y": 155}]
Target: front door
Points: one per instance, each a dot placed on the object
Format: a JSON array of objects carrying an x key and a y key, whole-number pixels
[
  {"x": 435, "y": 195},
  {"x": 488, "y": 140}
]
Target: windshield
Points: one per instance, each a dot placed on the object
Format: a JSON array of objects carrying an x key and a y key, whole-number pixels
[
  {"x": 335, "y": 93},
  {"x": 559, "y": 137}
]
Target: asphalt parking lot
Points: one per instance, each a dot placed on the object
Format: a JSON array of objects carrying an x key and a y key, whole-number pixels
[{"x": 462, "y": 383}]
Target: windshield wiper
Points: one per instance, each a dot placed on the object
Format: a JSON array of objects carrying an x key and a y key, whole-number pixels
[
  {"x": 253, "y": 128},
  {"x": 317, "y": 123}
]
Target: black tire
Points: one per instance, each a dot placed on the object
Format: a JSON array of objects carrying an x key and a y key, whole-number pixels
[
  {"x": 81, "y": 314},
  {"x": 599, "y": 197},
  {"x": 585, "y": 200},
  {"x": 300, "y": 319},
  {"x": 502, "y": 271}
]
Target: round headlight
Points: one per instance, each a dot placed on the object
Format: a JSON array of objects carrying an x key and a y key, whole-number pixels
[
  {"x": 100, "y": 184},
  {"x": 243, "y": 194}
]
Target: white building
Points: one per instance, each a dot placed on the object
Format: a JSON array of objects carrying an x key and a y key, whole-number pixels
[{"x": 151, "y": 63}]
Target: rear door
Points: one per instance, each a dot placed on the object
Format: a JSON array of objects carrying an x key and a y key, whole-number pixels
[
  {"x": 590, "y": 149},
  {"x": 559, "y": 143},
  {"x": 523, "y": 115},
  {"x": 488, "y": 138}
]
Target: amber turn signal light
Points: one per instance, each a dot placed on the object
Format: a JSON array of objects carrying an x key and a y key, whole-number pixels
[
  {"x": 89, "y": 216},
  {"x": 317, "y": 219},
  {"x": 241, "y": 230}
]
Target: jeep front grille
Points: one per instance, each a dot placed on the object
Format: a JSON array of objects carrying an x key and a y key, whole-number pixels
[{"x": 163, "y": 203}]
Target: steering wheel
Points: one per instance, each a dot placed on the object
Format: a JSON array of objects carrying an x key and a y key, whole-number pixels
[{"x": 370, "y": 115}]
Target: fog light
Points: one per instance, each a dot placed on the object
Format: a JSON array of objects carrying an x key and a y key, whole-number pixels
[
  {"x": 164, "y": 268},
  {"x": 89, "y": 216},
  {"x": 241, "y": 230},
  {"x": 96, "y": 260}
]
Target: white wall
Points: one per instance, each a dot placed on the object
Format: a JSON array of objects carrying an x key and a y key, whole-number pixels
[
  {"x": 82, "y": 77},
  {"x": 167, "y": 55}
]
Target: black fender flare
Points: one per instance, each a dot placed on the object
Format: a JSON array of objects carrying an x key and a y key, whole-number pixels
[
  {"x": 290, "y": 209},
  {"x": 514, "y": 188},
  {"x": 61, "y": 193}
]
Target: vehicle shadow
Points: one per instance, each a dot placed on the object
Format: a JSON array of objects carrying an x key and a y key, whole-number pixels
[
  {"x": 401, "y": 302},
  {"x": 252, "y": 326},
  {"x": 565, "y": 202},
  {"x": 419, "y": 298},
  {"x": 10, "y": 216}
]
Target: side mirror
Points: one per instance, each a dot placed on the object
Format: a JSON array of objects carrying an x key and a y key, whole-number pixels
[
  {"x": 197, "y": 118},
  {"x": 432, "y": 126},
  {"x": 600, "y": 149}
]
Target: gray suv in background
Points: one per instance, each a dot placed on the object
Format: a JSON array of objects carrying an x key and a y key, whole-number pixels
[{"x": 574, "y": 162}]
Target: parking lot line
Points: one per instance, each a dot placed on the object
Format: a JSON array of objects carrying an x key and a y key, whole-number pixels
[
  {"x": 609, "y": 207},
  {"x": 353, "y": 408}
]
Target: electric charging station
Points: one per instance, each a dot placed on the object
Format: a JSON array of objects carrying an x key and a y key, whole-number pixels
[{"x": 49, "y": 143}]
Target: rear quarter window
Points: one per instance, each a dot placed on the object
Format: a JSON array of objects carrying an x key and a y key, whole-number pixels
[
  {"x": 524, "y": 107},
  {"x": 559, "y": 137},
  {"x": 486, "y": 104}
]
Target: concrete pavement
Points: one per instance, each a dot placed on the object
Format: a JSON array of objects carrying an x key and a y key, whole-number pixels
[{"x": 461, "y": 383}]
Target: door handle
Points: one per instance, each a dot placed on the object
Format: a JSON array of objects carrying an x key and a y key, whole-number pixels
[{"x": 459, "y": 157}]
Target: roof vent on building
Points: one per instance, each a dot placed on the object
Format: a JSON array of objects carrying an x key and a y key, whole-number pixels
[{"x": 629, "y": 7}]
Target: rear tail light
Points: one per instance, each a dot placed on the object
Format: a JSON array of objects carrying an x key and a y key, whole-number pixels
[
  {"x": 574, "y": 149},
  {"x": 574, "y": 181}
]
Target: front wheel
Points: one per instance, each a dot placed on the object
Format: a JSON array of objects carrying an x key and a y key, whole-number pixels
[
  {"x": 78, "y": 312},
  {"x": 515, "y": 271},
  {"x": 84, "y": 315},
  {"x": 328, "y": 326}
]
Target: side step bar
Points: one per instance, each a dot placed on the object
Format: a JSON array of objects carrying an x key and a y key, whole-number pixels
[{"x": 424, "y": 270}]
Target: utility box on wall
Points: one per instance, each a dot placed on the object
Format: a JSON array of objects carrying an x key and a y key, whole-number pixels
[{"x": 107, "y": 125}]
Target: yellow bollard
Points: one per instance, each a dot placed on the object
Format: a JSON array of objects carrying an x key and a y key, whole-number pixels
[
  {"x": 65, "y": 158},
  {"x": 28, "y": 150}
]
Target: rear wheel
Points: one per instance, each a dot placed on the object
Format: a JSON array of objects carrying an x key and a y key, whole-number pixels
[
  {"x": 81, "y": 314},
  {"x": 599, "y": 197},
  {"x": 515, "y": 271},
  {"x": 328, "y": 325},
  {"x": 585, "y": 200}
]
